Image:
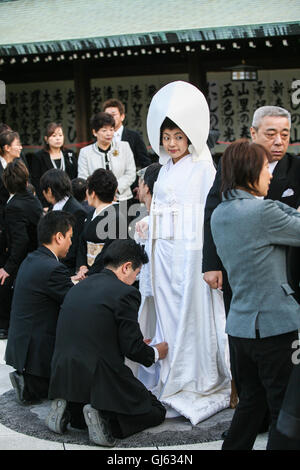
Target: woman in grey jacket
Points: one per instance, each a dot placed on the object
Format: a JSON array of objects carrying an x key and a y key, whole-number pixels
[{"x": 251, "y": 235}]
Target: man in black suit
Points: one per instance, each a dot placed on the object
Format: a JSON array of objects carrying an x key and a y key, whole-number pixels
[
  {"x": 56, "y": 188},
  {"x": 97, "y": 328},
  {"x": 139, "y": 150},
  {"x": 271, "y": 128},
  {"x": 41, "y": 285}
]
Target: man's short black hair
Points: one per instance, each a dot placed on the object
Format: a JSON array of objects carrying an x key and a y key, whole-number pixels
[
  {"x": 124, "y": 251},
  {"x": 79, "y": 187},
  {"x": 59, "y": 183},
  {"x": 52, "y": 223},
  {"x": 151, "y": 175}
]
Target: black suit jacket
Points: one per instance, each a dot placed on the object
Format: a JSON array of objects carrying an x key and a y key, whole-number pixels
[
  {"x": 77, "y": 210},
  {"x": 41, "y": 285},
  {"x": 286, "y": 175},
  {"x": 139, "y": 150},
  {"x": 19, "y": 237},
  {"x": 97, "y": 328},
  {"x": 41, "y": 162}
]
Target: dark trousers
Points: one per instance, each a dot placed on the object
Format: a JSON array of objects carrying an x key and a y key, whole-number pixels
[
  {"x": 6, "y": 293},
  {"x": 125, "y": 425},
  {"x": 263, "y": 367},
  {"x": 227, "y": 296},
  {"x": 289, "y": 417},
  {"x": 36, "y": 388},
  {"x": 122, "y": 425}
]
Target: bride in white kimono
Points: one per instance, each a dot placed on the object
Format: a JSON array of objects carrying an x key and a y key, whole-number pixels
[{"x": 194, "y": 379}]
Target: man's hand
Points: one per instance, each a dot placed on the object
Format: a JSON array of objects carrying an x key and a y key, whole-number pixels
[
  {"x": 3, "y": 276},
  {"x": 214, "y": 279},
  {"x": 162, "y": 349}
]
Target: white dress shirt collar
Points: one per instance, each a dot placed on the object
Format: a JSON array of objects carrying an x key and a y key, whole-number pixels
[
  {"x": 60, "y": 204},
  {"x": 118, "y": 134},
  {"x": 53, "y": 253},
  {"x": 4, "y": 162},
  {"x": 10, "y": 197},
  {"x": 272, "y": 166}
]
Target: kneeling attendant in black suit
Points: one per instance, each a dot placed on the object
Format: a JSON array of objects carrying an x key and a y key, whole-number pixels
[
  {"x": 19, "y": 236},
  {"x": 41, "y": 285},
  {"x": 97, "y": 328}
]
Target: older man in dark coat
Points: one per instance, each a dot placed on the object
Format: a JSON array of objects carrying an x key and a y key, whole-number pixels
[
  {"x": 271, "y": 128},
  {"x": 96, "y": 330}
]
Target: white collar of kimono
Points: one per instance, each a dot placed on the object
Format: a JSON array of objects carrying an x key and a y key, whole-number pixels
[{"x": 185, "y": 105}]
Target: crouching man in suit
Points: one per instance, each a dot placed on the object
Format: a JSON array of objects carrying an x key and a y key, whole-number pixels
[
  {"x": 41, "y": 285},
  {"x": 97, "y": 328}
]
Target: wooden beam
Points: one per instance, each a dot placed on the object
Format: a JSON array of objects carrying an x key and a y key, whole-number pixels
[
  {"x": 82, "y": 102},
  {"x": 197, "y": 73}
]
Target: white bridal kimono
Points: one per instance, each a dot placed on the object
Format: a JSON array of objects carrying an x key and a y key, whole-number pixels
[{"x": 194, "y": 379}]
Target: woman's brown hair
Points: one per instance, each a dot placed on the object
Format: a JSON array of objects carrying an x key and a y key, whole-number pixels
[
  {"x": 50, "y": 129},
  {"x": 242, "y": 163},
  {"x": 15, "y": 177},
  {"x": 7, "y": 138}
]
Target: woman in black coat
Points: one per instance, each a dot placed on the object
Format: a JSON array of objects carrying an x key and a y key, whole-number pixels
[
  {"x": 103, "y": 225},
  {"x": 19, "y": 237},
  {"x": 53, "y": 155},
  {"x": 10, "y": 148}
]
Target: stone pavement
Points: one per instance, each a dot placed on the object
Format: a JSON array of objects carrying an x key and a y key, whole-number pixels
[{"x": 19, "y": 427}]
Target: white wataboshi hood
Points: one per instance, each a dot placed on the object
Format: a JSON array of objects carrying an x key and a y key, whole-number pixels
[{"x": 185, "y": 105}]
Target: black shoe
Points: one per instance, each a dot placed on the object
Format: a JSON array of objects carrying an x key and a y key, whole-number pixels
[
  {"x": 224, "y": 434},
  {"x": 17, "y": 381},
  {"x": 99, "y": 431},
  {"x": 58, "y": 417},
  {"x": 3, "y": 333}
]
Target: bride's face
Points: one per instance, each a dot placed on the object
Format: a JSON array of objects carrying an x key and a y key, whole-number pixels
[{"x": 175, "y": 143}]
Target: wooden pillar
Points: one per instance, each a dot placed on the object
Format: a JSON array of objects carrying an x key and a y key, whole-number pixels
[
  {"x": 82, "y": 90},
  {"x": 197, "y": 73}
]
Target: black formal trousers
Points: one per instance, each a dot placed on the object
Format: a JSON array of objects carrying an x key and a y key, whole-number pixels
[
  {"x": 289, "y": 417},
  {"x": 36, "y": 388},
  {"x": 6, "y": 294},
  {"x": 264, "y": 366},
  {"x": 122, "y": 425}
]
